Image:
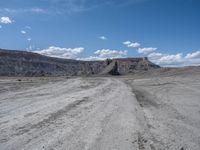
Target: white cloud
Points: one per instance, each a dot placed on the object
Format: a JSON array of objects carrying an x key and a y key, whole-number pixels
[
  {"x": 29, "y": 39},
  {"x": 5, "y": 20},
  {"x": 104, "y": 54},
  {"x": 146, "y": 50},
  {"x": 23, "y": 32},
  {"x": 171, "y": 59},
  {"x": 37, "y": 10},
  {"x": 57, "y": 7},
  {"x": 131, "y": 44},
  {"x": 127, "y": 42},
  {"x": 195, "y": 55},
  {"x": 174, "y": 60},
  {"x": 91, "y": 58},
  {"x": 155, "y": 55},
  {"x": 134, "y": 45},
  {"x": 28, "y": 27},
  {"x": 59, "y": 52},
  {"x": 25, "y": 10},
  {"x": 103, "y": 38},
  {"x": 167, "y": 59},
  {"x": 107, "y": 53}
]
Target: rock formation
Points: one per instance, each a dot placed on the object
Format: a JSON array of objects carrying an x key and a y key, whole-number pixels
[
  {"x": 128, "y": 65},
  {"x": 22, "y": 63}
]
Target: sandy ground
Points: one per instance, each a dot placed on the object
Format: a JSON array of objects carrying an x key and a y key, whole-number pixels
[{"x": 100, "y": 113}]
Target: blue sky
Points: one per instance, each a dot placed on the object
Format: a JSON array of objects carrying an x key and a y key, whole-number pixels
[{"x": 167, "y": 31}]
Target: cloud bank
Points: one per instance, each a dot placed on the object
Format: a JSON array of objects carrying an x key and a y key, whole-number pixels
[
  {"x": 195, "y": 55},
  {"x": 169, "y": 60},
  {"x": 175, "y": 60},
  {"x": 67, "y": 53},
  {"x": 108, "y": 53}
]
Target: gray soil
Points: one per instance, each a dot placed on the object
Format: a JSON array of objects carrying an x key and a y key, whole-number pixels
[{"x": 100, "y": 113}]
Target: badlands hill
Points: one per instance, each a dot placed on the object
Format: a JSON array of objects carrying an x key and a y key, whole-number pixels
[
  {"x": 22, "y": 63},
  {"x": 156, "y": 109}
]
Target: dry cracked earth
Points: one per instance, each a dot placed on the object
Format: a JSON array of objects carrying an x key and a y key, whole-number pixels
[{"x": 100, "y": 113}]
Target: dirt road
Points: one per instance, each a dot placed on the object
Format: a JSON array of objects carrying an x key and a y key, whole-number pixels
[
  {"x": 171, "y": 107},
  {"x": 91, "y": 114}
]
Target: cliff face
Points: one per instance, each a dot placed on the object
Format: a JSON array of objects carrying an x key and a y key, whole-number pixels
[
  {"x": 21, "y": 63},
  {"x": 122, "y": 66},
  {"x": 131, "y": 65}
]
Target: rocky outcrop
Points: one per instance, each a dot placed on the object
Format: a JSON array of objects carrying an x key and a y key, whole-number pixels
[
  {"x": 21, "y": 63},
  {"x": 111, "y": 68},
  {"x": 128, "y": 65}
]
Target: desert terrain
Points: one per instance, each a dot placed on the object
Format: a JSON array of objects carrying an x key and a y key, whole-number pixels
[{"x": 151, "y": 111}]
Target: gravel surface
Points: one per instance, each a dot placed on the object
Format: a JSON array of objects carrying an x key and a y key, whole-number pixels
[{"x": 100, "y": 113}]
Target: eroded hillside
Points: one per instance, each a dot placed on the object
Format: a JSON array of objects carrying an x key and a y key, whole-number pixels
[{"x": 21, "y": 63}]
